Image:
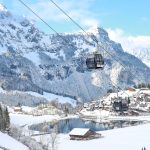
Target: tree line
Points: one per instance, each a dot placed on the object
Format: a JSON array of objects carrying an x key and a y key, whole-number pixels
[{"x": 142, "y": 85}]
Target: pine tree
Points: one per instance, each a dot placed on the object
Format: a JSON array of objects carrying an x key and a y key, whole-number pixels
[
  {"x": 4, "y": 119},
  {"x": 7, "y": 118},
  {"x": 0, "y": 110},
  {"x": 1, "y": 119},
  {"x": 135, "y": 86}
]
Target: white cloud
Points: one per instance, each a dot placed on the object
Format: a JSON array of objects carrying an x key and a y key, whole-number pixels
[
  {"x": 2, "y": 6},
  {"x": 135, "y": 45},
  {"x": 80, "y": 11},
  {"x": 129, "y": 42},
  {"x": 90, "y": 22}
]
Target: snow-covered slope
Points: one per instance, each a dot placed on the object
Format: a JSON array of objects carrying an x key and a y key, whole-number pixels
[
  {"x": 138, "y": 46},
  {"x": 10, "y": 143},
  {"x": 131, "y": 138},
  {"x": 32, "y": 98},
  {"x": 141, "y": 53},
  {"x": 31, "y": 60}
]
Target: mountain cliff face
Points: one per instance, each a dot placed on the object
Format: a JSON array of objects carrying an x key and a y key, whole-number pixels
[
  {"x": 141, "y": 53},
  {"x": 31, "y": 60}
]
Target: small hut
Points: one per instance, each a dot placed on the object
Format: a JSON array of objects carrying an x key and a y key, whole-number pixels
[
  {"x": 17, "y": 109},
  {"x": 131, "y": 89},
  {"x": 83, "y": 134}
]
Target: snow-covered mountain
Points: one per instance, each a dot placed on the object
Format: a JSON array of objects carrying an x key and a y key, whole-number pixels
[
  {"x": 31, "y": 60},
  {"x": 138, "y": 46},
  {"x": 141, "y": 53}
]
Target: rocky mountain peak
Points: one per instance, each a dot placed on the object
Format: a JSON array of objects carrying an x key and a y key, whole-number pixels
[
  {"x": 99, "y": 32},
  {"x": 31, "y": 60}
]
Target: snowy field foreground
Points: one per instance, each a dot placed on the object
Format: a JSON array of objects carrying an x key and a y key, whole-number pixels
[
  {"x": 19, "y": 119},
  {"x": 129, "y": 138},
  {"x": 10, "y": 143}
]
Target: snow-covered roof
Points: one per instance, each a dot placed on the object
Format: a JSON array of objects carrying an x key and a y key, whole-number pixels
[{"x": 79, "y": 131}]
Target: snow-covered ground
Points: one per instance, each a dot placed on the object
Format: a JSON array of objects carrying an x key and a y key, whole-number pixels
[
  {"x": 47, "y": 96},
  {"x": 50, "y": 97},
  {"x": 106, "y": 115},
  {"x": 20, "y": 119},
  {"x": 10, "y": 143},
  {"x": 129, "y": 138},
  {"x": 96, "y": 113},
  {"x": 127, "y": 93},
  {"x": 139, "y": 101}
]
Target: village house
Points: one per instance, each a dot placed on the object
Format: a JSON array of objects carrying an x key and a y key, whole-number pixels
[
  {"x": 131, "y": 89},
  {"x": 83, "y": 134},
  {"x": 18, "y": 109}
]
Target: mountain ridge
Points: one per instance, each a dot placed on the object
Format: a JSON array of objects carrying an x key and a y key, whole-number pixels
[{"x": 34, "y": 61}]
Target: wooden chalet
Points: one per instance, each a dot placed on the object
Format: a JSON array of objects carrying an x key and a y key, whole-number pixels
[
  {"x": 17, "y": 109},
  {"x": 83, "y": 134},
  {"x": 131, "y": 89}
]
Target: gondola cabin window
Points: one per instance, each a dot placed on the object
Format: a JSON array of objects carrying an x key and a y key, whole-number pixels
[{"x": 95, "y": 61}]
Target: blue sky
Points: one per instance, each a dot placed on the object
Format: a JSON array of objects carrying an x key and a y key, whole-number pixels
[{"x": 131, "y": 16}]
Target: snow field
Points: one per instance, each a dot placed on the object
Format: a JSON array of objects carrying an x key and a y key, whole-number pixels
[{"x": 10, "y": 143}]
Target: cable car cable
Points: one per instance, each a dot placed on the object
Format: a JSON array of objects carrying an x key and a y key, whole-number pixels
[
  {"x": 51, "y": 29},
  {"x": 23, "y": 3},
  {"x": 29, "y": 8},
  {"x": 68, "y": 16},
  {"x": 94, "y": 39},
  {"x": 77, "y": 24}
]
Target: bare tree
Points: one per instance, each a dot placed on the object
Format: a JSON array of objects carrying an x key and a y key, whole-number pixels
[
  {"x": 44, "y": 130},
  {"x": 15, "y": 132},
  {"x": 53, "y": 139}
]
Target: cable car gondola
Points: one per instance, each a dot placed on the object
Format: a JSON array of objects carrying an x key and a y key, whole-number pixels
[{"x": 95, "y": 61}]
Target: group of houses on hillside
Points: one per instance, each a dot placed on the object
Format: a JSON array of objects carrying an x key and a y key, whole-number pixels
[{"x": 116, "y": 104}]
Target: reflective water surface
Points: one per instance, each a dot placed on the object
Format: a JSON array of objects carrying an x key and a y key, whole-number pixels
[{"x": 65, "y": 126}]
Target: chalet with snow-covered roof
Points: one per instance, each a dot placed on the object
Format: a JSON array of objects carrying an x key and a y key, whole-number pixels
[
  {"x": 17, "y": 109},
  {"x": 131, "y": 89},
  {"x": 83, "y": 134}
]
